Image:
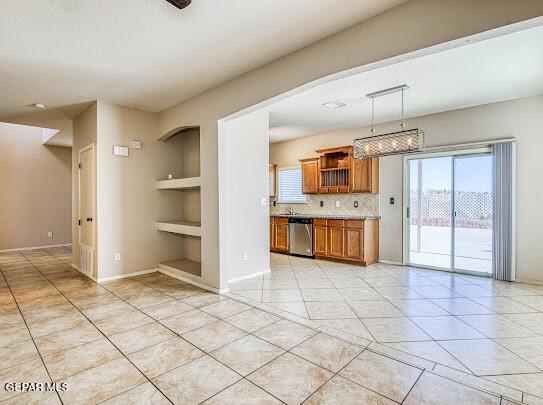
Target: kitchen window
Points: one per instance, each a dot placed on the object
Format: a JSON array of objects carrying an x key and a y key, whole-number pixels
[{"x": 290, "y": 186}]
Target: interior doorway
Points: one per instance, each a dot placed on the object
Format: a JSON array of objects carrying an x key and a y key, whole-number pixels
[
  {"x": 87, "y": 217},
  {"x": 449, "y": 214}
]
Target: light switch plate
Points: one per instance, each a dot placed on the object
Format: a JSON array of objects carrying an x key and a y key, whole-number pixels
[
  {"x": 337, "y": 204},
  {"x": 49, "y": 234},
  {"x": 119, "y": 150},
  {"x": 264, "y": 202},
  {"x": 117, "y": 257}
]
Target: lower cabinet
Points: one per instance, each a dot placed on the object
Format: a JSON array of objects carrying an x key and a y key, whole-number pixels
[
  {"x": 336, "y": 241},
  {"x": 320, "y": 239},
  {"x": 352, "y": 240},
  {"x": 354, "y": 246},
  {"x": 279, "y": 236}
]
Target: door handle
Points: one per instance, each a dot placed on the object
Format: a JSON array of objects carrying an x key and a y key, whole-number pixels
[{"x": 89, "y": 219}]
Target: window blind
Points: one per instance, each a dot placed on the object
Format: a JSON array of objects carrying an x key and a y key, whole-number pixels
[{"x": 290, "y": 186}]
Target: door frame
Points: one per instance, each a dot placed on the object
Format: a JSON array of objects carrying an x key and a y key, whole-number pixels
[
  {"x": 405, "y": 202},
  {"x": 92, "y": 147}
]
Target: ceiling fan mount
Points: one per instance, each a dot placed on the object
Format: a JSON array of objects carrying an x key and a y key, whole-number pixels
[{"x": 180, "y": 4}]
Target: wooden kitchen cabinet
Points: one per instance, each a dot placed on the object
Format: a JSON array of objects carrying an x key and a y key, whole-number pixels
[
  {"x": 336, "y": 171},
  {"x": 354, "y": 241},
  {"x": 365, "y": 175},
  {"x": 310, "y": 173},
  {"x": 279, "y": 235},
  {"x": 320, "y": 237},
  {"x": 272, "y": 176},
  {"x": 281, "y": 238},
  {"x": 336, "y": 239}
]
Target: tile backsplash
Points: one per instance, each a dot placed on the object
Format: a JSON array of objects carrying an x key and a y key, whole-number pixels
[{"x": 368, "y": 204}]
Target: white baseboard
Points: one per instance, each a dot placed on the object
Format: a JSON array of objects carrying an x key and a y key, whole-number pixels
[
  {"x": 391, "y": 262},
  {"x": 248, "y": 276},
  {"x": 528, "y": 281},
  {"x": 193, "y": 282},
  {"x": 126, "y": 275},
  {"x": 35, "y": 247}
]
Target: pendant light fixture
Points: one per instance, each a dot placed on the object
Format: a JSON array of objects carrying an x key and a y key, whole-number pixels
[{"x": 395, "y": 143}]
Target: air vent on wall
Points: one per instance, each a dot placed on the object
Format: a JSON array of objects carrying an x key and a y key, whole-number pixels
[{"x": 180, "y": 4}]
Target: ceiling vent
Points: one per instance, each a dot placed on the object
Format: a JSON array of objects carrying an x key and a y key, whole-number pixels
[{"x": 180, "y": 4}]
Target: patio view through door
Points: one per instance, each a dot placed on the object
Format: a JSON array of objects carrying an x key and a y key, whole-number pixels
[{"x": 449, "y": 211}]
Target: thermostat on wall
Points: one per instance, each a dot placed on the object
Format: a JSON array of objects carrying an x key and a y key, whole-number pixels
[{"x": 120, "y": 150}]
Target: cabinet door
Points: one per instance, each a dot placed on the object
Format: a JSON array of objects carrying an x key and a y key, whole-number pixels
[
  {"x": 281, "y": 237},
  {"x": 336, "y": 237},
  {"x": 365, "y": 175},
  {"x": 354, "y": 243},
  {"x": 272, "y": 236},
  {"x": 272, "y": 176},
  {"x": 320, "y": 240},
  {"x": 310, "y": 169},
  {"x": 361, "y": 176}
]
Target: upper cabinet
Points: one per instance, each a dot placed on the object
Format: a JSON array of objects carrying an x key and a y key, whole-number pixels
[
  {"x": 337, "y": 171},
  {"x": 272, "y": 171},
  {"x": 365, "y": 175},
  {"x": 310, "y": 173}
]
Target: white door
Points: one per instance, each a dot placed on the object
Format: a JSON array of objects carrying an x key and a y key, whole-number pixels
[{"x": 87, "y": 220}]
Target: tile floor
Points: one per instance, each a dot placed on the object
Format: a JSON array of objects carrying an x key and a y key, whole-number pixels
[{"x": 313, "y": 332}]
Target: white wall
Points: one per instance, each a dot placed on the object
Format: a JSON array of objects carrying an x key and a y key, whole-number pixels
[
  {"x": 243, "y": 168},
  {"x": 522, "y": 119}
]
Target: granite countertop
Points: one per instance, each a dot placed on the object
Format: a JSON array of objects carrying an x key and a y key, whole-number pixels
[{"x": 322, "y": 216}]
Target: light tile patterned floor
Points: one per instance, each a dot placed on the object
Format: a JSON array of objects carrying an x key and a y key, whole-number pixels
[{"x": 378, "y": 335}]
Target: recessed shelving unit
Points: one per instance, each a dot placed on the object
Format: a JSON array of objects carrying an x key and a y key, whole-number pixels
[
  {"x": 179, "y": 217},
  {"x": 191, "y": 228},
  {"x": 184, "y": 265},
  {"x": 178, "y": 184}
]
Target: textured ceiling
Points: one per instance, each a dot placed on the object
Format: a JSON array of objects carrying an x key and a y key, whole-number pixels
[
  {"x": 147, "y": 53},
  {"x": 497, "y": 69}
]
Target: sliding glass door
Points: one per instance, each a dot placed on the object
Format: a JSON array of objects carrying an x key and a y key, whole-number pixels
[{"x": 449, "y": 212}]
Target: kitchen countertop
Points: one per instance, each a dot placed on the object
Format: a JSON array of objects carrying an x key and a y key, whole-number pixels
[{"x": 319, "y": 216}]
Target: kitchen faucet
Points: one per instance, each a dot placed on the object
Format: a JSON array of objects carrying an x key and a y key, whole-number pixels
[{"x": 289, "y": 209}]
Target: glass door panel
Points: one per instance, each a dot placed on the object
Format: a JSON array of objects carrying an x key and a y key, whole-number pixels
[
  {"x": 473, "y": 213},
  {"x": 430, "y": 212}
]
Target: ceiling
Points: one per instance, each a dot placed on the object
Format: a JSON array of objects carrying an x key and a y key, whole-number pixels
[
  {"x": 147, "y": 53},
  {"x": 498, "y": 69}
]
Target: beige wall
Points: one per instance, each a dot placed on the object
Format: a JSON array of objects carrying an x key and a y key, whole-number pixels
[
  {"x": 409, "y": 27},
  {"x": 35, "y": 189},
  {"x": 128, "y": 203},
  {"x": 522, "y": 119}
]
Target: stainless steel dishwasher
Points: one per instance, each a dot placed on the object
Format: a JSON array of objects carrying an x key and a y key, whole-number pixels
[{"x": 301, "y": 236}]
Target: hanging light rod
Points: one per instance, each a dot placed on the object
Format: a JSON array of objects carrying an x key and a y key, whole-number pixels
[{"x": 384, "y": 92}]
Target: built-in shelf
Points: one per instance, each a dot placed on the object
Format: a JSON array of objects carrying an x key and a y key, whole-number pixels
[
  {"x": 186, "y": 266},
  {"x": 181, "y": 227},
  {"x": 178, "y": 184}
]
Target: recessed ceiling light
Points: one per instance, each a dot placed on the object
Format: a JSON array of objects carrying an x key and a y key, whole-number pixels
[
  {"x": 39, "y": 105},
  {"x": 335, "y": 104}
]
